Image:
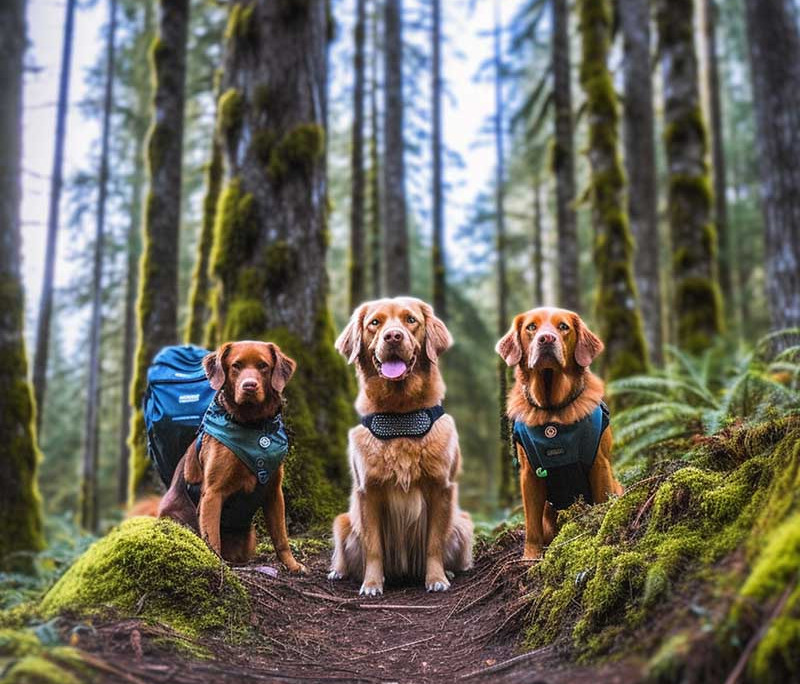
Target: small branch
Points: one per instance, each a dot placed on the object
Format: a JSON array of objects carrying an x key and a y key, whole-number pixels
[
  {"x": 372, "y": 654},
  {"x": 392, "y": 606},
  {"x": 506, "y": 663}
]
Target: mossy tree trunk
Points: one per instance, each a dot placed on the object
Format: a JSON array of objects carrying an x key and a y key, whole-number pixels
[
  {"x": 375, "y": 197},
  {"x": 396, "y": 266},
  {"x": 537, "y": 255},
  {"x": 42, "y": 350},
  {"x": 775, "y": 65},
  {"x": 437, "y": 257},
  {"x": 563, "y": 161},
  {"x": 697, "y": 301},
  {"x": 617, "y": 314},
  {"x": 201, "y": 281},
  {"x": 157, "y": 303},
  {"x": 271, "y": 237},
  {"x": 640, "y": 163},
  {"x": 134, "y": 244},
  {"x": 357, "y": 281},
  {"x": 20, "y": 507}
]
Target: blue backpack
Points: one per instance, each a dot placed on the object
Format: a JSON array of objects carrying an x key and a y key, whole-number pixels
[{"x": 175, "y": 401}]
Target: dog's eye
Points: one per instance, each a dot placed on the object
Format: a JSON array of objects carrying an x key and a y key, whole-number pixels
[
  {"x": 262, "y": 365},
  {"x": 563, "y": 326},
  {"x": 375, "y": 321},
  {"x": 236, "y": 365},
  {"x": 531, "y": 327},
  {"x": 411, "y": 319}
]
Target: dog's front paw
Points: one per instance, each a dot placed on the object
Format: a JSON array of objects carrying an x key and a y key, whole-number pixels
[
  {"x": 334, "y": 575},
  {"x": 296, "y": 568},
  {"x": 371, "y": 588},
  {"x": 437, "y": 583},
  {"x": 532, "y": 553}
]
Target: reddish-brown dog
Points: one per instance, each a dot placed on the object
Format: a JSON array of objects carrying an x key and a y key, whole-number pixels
[
  {"x": 404, "y": 521},
  {"x": 249, "y": 377},
  {"x": 551, "y": 350}
]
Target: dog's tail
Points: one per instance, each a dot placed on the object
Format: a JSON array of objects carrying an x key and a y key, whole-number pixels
[{"x": 146, "y": 506}]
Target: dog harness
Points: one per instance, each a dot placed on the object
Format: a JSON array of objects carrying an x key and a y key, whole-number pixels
[
  {"x": 394, "y": 425},
  {"x": 261, "y": 447},
  {"x": 562, "y": 455}
]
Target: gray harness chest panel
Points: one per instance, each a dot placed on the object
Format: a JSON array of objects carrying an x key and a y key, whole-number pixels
[{"x": 394, "y": 425}]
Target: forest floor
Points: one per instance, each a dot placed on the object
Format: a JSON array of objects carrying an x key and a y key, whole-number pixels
[{"x": 310, "y": 629}]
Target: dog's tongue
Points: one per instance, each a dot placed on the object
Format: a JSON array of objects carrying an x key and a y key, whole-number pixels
[{"x": 393, "y": 369}]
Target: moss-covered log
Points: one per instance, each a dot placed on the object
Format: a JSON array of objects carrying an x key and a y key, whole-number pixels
[
  {"x": 201, "y": 282},
  {"x": 697, "y": 300},
  {"x": 270, "y": 235},
  {"x": 157, "y": 303},
  {"x": 619, "y": 321},
  {"x": 20, "y": 508}
]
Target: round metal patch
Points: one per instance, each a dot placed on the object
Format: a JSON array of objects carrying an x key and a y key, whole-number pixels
[
  {"x": 550, "y": 431},
  {"x": 264, "y": 442}
]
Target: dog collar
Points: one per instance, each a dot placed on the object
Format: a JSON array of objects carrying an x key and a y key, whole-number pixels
[
  {"x": 394, "y": 425},
  {"x": 556, "y": 407}
]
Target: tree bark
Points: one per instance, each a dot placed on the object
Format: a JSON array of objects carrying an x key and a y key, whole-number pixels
[
  {"x": 271, "y": 236},
  {"x": 507, "y": 489},
  {"x": 56, "y": 183},
  {"x": 395, "y": 235},
  {"x": 89, "y": 497},
  {"x": 357, "y": 249},
  {"x": 375, "y": 222},
  {"x": 640, "y": 163},
  {"x": 725, "y": 262},
  {"x": 438, "y": 256},
  {"x": 563, "y": 162},
  {"x": 537, "y": 257},
  {"x": 20, "y": 507},
  {"x": 157, "y": 303},
  {"x": 617, "y": 313},
  {"x": 698, "y": 306},
  {"x": 775, "y": 65}
]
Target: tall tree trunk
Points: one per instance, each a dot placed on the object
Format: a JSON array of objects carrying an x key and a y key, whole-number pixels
[
  {"x": 506, "y": 493},
  {"x": 775, "y": 64},
  {"x": 134, "y": 246},
  {"x": 56, "y": 183},
  {"x": 438, "y": 260},
  {"x": 357, "y": 250},
  {"x": 640, "y": 163},
  {"x": 724, "y": 261},
  {"x": 270, "y": 238},
  {"x": 157, "y": 303},
  {"x": 201, "y": 281},
  {"x": 617, "y": 313},
  {"x": 89, "y": 498},
  {"x": 395, "y": 234},
  {"x": 537, "y": 257},
  {"x": 20, "y": 507},
  {"x": 698, "y": 306},
  {"x": 563, "y": 161},
  {"x": 374, "y": 166}
]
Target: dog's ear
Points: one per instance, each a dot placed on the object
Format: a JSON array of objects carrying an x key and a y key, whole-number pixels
[
  {"x": 588, "y": 345},
  {"x": 437, "y": 337},
  {"x": 349, "y": 342},
  {"x": 510, "y": 346},
  {"x": 214, "y": 365},
  {"x": 283, "y": 370}
]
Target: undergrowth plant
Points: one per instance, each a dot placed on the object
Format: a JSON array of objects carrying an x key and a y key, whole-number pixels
[{"x": 701, "y": 395}]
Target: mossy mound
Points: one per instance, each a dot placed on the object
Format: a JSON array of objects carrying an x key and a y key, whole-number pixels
[
  {"x": 156, "y": 570},
  {"x": 614, "y": 568},
  {"x": 25, "y": 660}
]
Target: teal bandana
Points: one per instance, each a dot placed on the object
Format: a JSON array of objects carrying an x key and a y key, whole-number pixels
[{"x": 262, "y": 448}]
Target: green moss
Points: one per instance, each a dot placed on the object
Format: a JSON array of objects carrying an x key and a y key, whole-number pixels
[
  {"x": 17, "y": 643},
  {"x": 241, "y": 25},
  {"x": 296, "y": 151},
  {"x": 36, "y": 669},
  {"x": 244, "y": 315},
  {"x": 668, "y": 665},
  {"x": 698, "y": 301},
  {"x": 157, "y": 570},
  {"x": 230, "y": 112},
  {"x": 235, "y": 231}
]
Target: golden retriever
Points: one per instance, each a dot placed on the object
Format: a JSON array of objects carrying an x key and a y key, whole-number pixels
[
  {"x": 551, "y": 350},
  {"x": 404, "y": 520}
]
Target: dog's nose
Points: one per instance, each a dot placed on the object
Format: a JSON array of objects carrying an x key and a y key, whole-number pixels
[
  {"x": 249, "y": 385},
  {"x": 393, "y": 336},
  {"x": 546, "y": 338}
]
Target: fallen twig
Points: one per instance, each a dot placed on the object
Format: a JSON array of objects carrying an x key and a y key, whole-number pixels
[
  {"x": 505, "y": 664},
  {"x": 394, "y": 606},
  {"x": 372, "y": 654}
]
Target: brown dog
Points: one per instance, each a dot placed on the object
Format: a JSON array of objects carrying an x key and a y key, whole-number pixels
[
  {"x": 551, "y": 350},
  {"x": 404, "y": 521},
  {"x": 249, "y": 377}
]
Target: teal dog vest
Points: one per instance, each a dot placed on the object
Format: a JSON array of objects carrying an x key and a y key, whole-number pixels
[
  {"x": 261, "y": 447},
  {"x": 563, "y": 455}
]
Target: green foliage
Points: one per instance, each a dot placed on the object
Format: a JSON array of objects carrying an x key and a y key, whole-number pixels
[
  {"x": 700, "y": 395},
  {"x": 157, "y": 570}
]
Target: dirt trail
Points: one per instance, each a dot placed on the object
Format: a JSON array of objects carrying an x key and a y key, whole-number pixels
[{"x": 314, "y": 630}]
